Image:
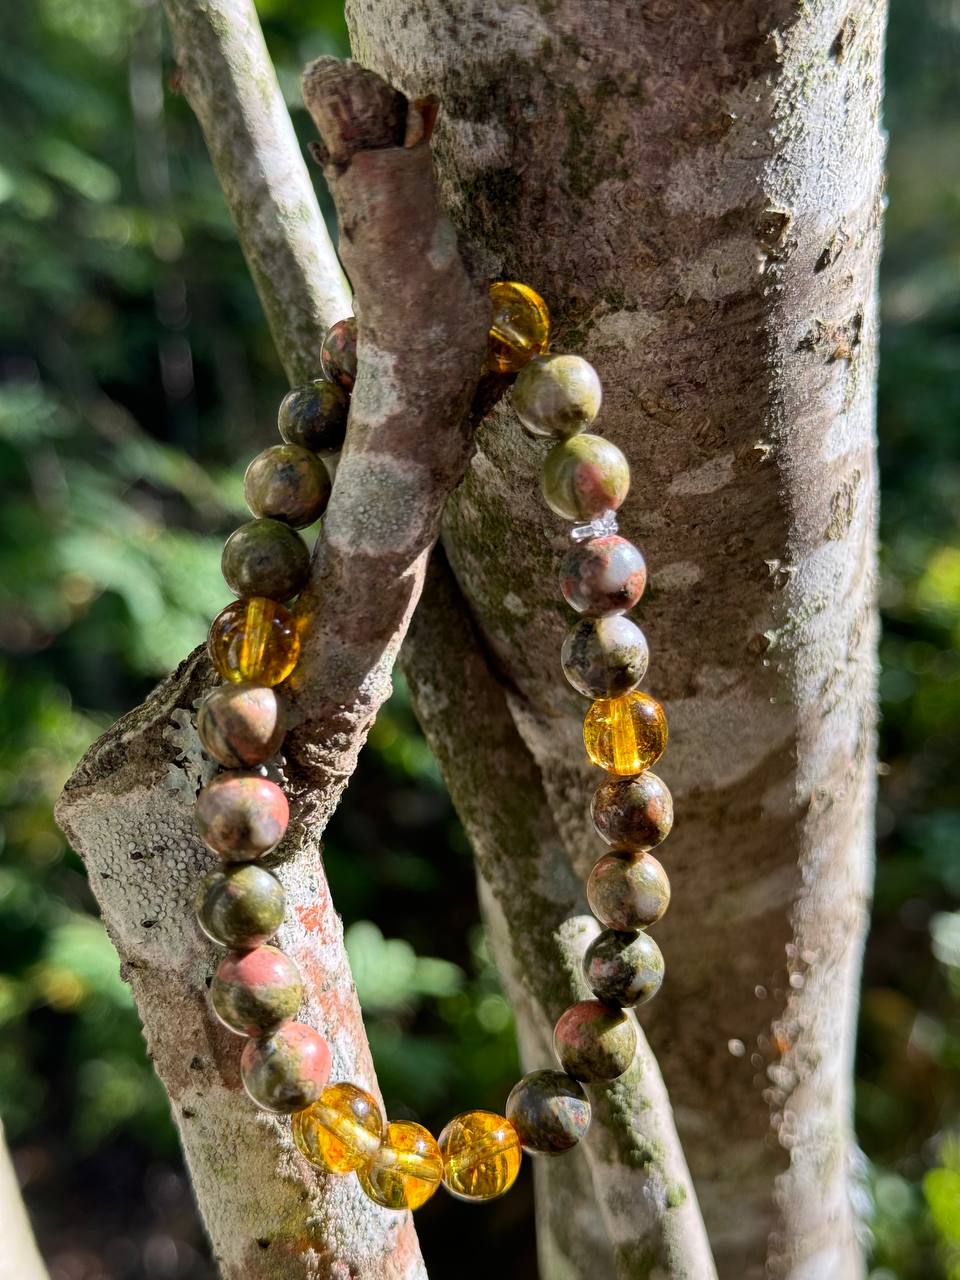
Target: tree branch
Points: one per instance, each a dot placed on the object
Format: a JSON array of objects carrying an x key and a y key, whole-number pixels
[
  {"x": 21, "y": 1258},
  {"x": 539, "y": 926},
  {"x": 128, "y": 807},
  {"x": 225, "y": 73}
]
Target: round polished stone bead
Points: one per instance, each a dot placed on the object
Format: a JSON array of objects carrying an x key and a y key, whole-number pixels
[
  {"x": 624, "y": 969},
  {"x": 286, "y": 1071},
  {"x": 240, "y": 724},
  {"x": 315, "y": 416},
  {"x": 549, "y": 1111},
  {"x": 241, "y": 815},
  {"x": 406, "y": 1170},
  {"x": 557, "y": 395},
  {"x": 481, "y": 1155},
  {"x": 265, "y": 558},
  {"x": 253, "y": 992},
  {"x": 240, "y": 906},
  {"x": 521, "y": 326},
  {"x": 633, "y": 813},
  {"x": 255, "y": 640},
  {"x": 628, "y": 890},
  {"x": 585, "y": 476},
  {"x": 604, "y": 657},
  {"x": 289, "y": 483},
  {"x": 625, "y": 735},
  {"x": 594, "y": 1041},
  {"x": 341, "y": 1131},
  {"x": 603, "y": 576},
  {"x": 338, "y": 353}
]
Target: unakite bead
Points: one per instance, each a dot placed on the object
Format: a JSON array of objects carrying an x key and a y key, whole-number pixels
[
  {"x": 633, "y": 813},
  {"x": 549, "y": 1111},
  {"x": 289, "y": 483},
  {"x": 603, "y": 576},
  {"x": 286, "y": 1071},
  {"x": 342, "y": 1130},
  {"x": 240, "y": 906},
  {"x": 557, "y": 395},
  {"x": 594, "y": 1041},
  {"x": 624, "y": 969},
  {"x": 604, "y": 657},
  {"x": 315, "y": 416},
  {"x": 585, "y": 476},
  {"x": 241, "y": 815},
  {"x": 625, "y": 735},
  {"x": 628, "y": 890},
  {"x": 406, "y": 1170},
  {"x": 253, "y": 992},
  {"x": 240, "y": 724},
  {"x": 521, "y": 326},
  {"x": 338, "y": 353},
  {"x": 265, "y": 558},
  {"x": 255, "y": 641},
  {"x": 481, "y": 1155}
]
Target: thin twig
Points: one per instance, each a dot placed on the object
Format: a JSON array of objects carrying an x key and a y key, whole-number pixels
[{"x": 20, "y": 1258}]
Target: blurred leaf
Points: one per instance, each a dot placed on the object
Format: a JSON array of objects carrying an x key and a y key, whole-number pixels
[{"x": 390, "y": 975}]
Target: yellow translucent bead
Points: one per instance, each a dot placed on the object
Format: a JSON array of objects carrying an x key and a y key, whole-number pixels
[
  {"x": 520, "y": 329},
  {"x": 406, "y": 1170},
  {"x": 255, "y": 640},
  {"x": 341, "y": 1131},
  {"x": 625, "y": 735},
  {"x": 481, "y": 1155}
]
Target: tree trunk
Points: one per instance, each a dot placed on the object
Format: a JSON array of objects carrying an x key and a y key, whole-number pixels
[{"x": 696, "y": 190}]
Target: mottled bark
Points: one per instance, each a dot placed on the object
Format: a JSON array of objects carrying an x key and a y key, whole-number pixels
[
  {"x": 128, "y": 807},
  {"x": 696, "y": 190},
  {"x": 19, "y": 1257}
]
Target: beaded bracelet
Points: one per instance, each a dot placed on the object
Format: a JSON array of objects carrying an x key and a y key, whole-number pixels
[{"x": 254, "y": 644}]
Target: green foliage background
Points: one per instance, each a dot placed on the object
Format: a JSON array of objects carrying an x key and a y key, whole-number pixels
[{"x": 136, "y": 375}]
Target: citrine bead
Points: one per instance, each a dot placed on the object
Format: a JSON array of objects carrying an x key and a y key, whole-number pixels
[
  {"x": 406, "y": 1170},
  {"x": 342, "y": 1130},
  {"x": 255, "y": 640},
  {"x": 481, "y": 1155},
  {"x": 520, "y": 328},
  {"x": 625, "y": 735}
]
